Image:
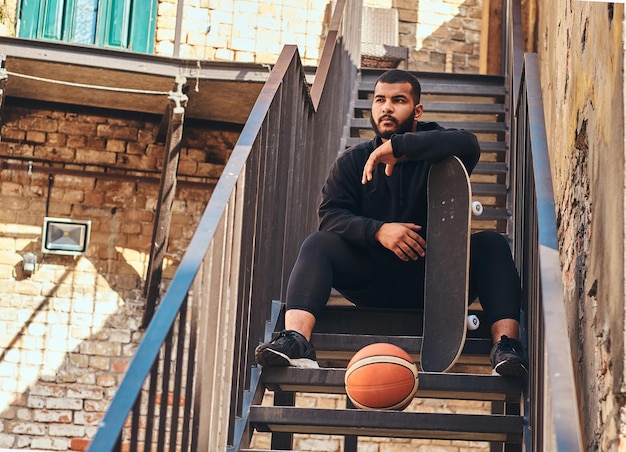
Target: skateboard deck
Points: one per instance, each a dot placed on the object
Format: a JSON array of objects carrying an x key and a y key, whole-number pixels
[{"x": 447, "y": 265}]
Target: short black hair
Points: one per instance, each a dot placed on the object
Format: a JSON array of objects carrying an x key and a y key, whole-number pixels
[{"x": 400, "y": 76}]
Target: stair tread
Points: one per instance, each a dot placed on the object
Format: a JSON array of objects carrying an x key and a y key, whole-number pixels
[
  {"x": 350, "y": 319},
  {"x": 431, "y": 385},
  {"x": 490, "y": 168},
  {"x": 448, "y": 86},
  {"x": 412, "y": 344},
  {"x": 493, "y": 213},
  {"x": 371, "y": 74},
  {"x": 471, "y": 427},
  {"x": 485, "y": 146},
  {"x": 472, "y": 126},
  {"x": 470, "y": 108}
]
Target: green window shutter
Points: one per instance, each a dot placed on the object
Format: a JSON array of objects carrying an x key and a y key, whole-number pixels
[
  {"x": 129, "y": 24},
  {"x": 125, "y": 24},
  {"x": 52, "y": 20},
  {"x": 29, "y": 19},
  {"x": 143, "y": 26},
  {"x": 113, "y": 23},
  {"x": 41, "y": 19}
]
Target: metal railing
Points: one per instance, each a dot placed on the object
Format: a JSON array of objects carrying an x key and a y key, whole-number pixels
[
  {"x": 553, "y": 419},
  {"x": 191, "y": 380}
]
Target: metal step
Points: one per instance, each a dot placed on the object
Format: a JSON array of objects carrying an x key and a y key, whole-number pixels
[
  {"x": 474, "y": 127},
  {"x": 485, "y": 146},
  {"x": 431, "y": 385},
  {"x": 493, "y": 214},
  {"x": 395, "y": 424},
  {"x": 335, "y": 349},
  {"x": 491, "y": 168},
  {"x": 349, "y": 319},
  {"x": 447, "y": 84},
  {"x": 466, "y": 108},
  {"x": 343, "y": 329},
  {"x": 479, "y": 189}
]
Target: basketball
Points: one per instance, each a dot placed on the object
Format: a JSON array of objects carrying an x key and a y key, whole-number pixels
[{"x": 381, "y": 376}]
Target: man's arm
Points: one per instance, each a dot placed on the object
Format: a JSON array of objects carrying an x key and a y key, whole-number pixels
[
  {"x": 340, "y": 212},
  {"x": 340, "y": 209},
  {"x": 429, "y": 145},
  {"x": 436, "y": 144}
]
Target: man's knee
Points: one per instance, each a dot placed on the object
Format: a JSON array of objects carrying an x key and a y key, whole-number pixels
[
  {"x": 321, "y": 240},
  {"x": 490, "y": 241}
]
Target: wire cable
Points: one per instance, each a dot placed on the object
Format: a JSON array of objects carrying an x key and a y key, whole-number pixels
[{"x": 84, "y": 85}]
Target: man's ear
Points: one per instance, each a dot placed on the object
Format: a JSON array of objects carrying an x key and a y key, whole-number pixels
[{"x": 419, "y": 109}]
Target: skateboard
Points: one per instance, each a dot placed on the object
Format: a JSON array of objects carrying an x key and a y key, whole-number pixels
[{"x": 447, "y": 265}]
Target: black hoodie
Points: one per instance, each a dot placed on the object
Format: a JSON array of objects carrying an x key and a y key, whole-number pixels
[{"x": 356, "y": 211}]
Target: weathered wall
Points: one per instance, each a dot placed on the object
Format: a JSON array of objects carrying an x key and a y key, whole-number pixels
[
  {"x": 447, "y": 36},
  {"x": 245, "y": 31},
  {"x": 69, "y": 330},
  {"x": 441, "y": 35},
  {"x": 580, "y": 46}
]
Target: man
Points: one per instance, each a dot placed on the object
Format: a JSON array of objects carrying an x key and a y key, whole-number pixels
[{"x": 370, "y": 245}]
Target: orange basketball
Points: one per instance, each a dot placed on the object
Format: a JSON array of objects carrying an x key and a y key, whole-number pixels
[{"x": 381, "y": 377}]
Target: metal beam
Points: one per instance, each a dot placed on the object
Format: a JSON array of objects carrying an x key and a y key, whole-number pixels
[{"x": 167, "y": 192}]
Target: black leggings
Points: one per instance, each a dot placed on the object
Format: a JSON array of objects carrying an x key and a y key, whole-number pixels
[{"x": 375, "y": 277}]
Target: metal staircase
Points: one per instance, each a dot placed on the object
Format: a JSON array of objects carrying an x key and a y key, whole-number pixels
[{"x": 475, "y": 103}]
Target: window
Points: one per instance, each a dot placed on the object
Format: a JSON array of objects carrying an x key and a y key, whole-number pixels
[{"x": 124, "y": 24}]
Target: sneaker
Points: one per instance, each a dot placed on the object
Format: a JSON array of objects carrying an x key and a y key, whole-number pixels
[
  {"x": 507, "y": 358},
  {"x": 289, "y": 348}
]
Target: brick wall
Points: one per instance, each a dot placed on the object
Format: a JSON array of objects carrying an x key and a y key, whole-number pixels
[{"x": 69, "y": 330}]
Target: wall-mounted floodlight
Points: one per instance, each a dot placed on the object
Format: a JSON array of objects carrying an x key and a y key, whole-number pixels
[{"x": 64, "y": 236}]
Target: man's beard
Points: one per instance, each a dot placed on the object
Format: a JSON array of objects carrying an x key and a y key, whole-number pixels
[{"x": 405, "y": 126}]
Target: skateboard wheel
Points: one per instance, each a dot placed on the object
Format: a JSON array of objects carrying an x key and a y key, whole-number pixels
[
  {"x": 472, "y": 322},
  {"x": 477, "y": 208}
]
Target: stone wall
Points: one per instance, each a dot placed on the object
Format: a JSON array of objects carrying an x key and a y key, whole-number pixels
[
  {"x": 243, "y": 31},
  {"x": 69, "y": 330},
  {"x": 581, "y": 54},
  {"x": 442, "y": 36},
  {"x": 445, "y": 35}
]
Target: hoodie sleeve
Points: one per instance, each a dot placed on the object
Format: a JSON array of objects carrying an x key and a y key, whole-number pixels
[
  {"x": 433, "y": 143},
  {"x": 342, "y": 196}
]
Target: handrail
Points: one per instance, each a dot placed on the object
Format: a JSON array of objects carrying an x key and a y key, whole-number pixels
[
  {"x": 191, "y": 376},
  {"x": 553, "y": 418}
]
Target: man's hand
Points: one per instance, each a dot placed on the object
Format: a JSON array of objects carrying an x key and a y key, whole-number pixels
[
  {"x": 403, "y": 240},
  {"x": 382, "y": 154}
]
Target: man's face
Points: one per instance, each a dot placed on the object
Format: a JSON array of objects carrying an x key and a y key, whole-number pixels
[{"x": 394, "y": 110}]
